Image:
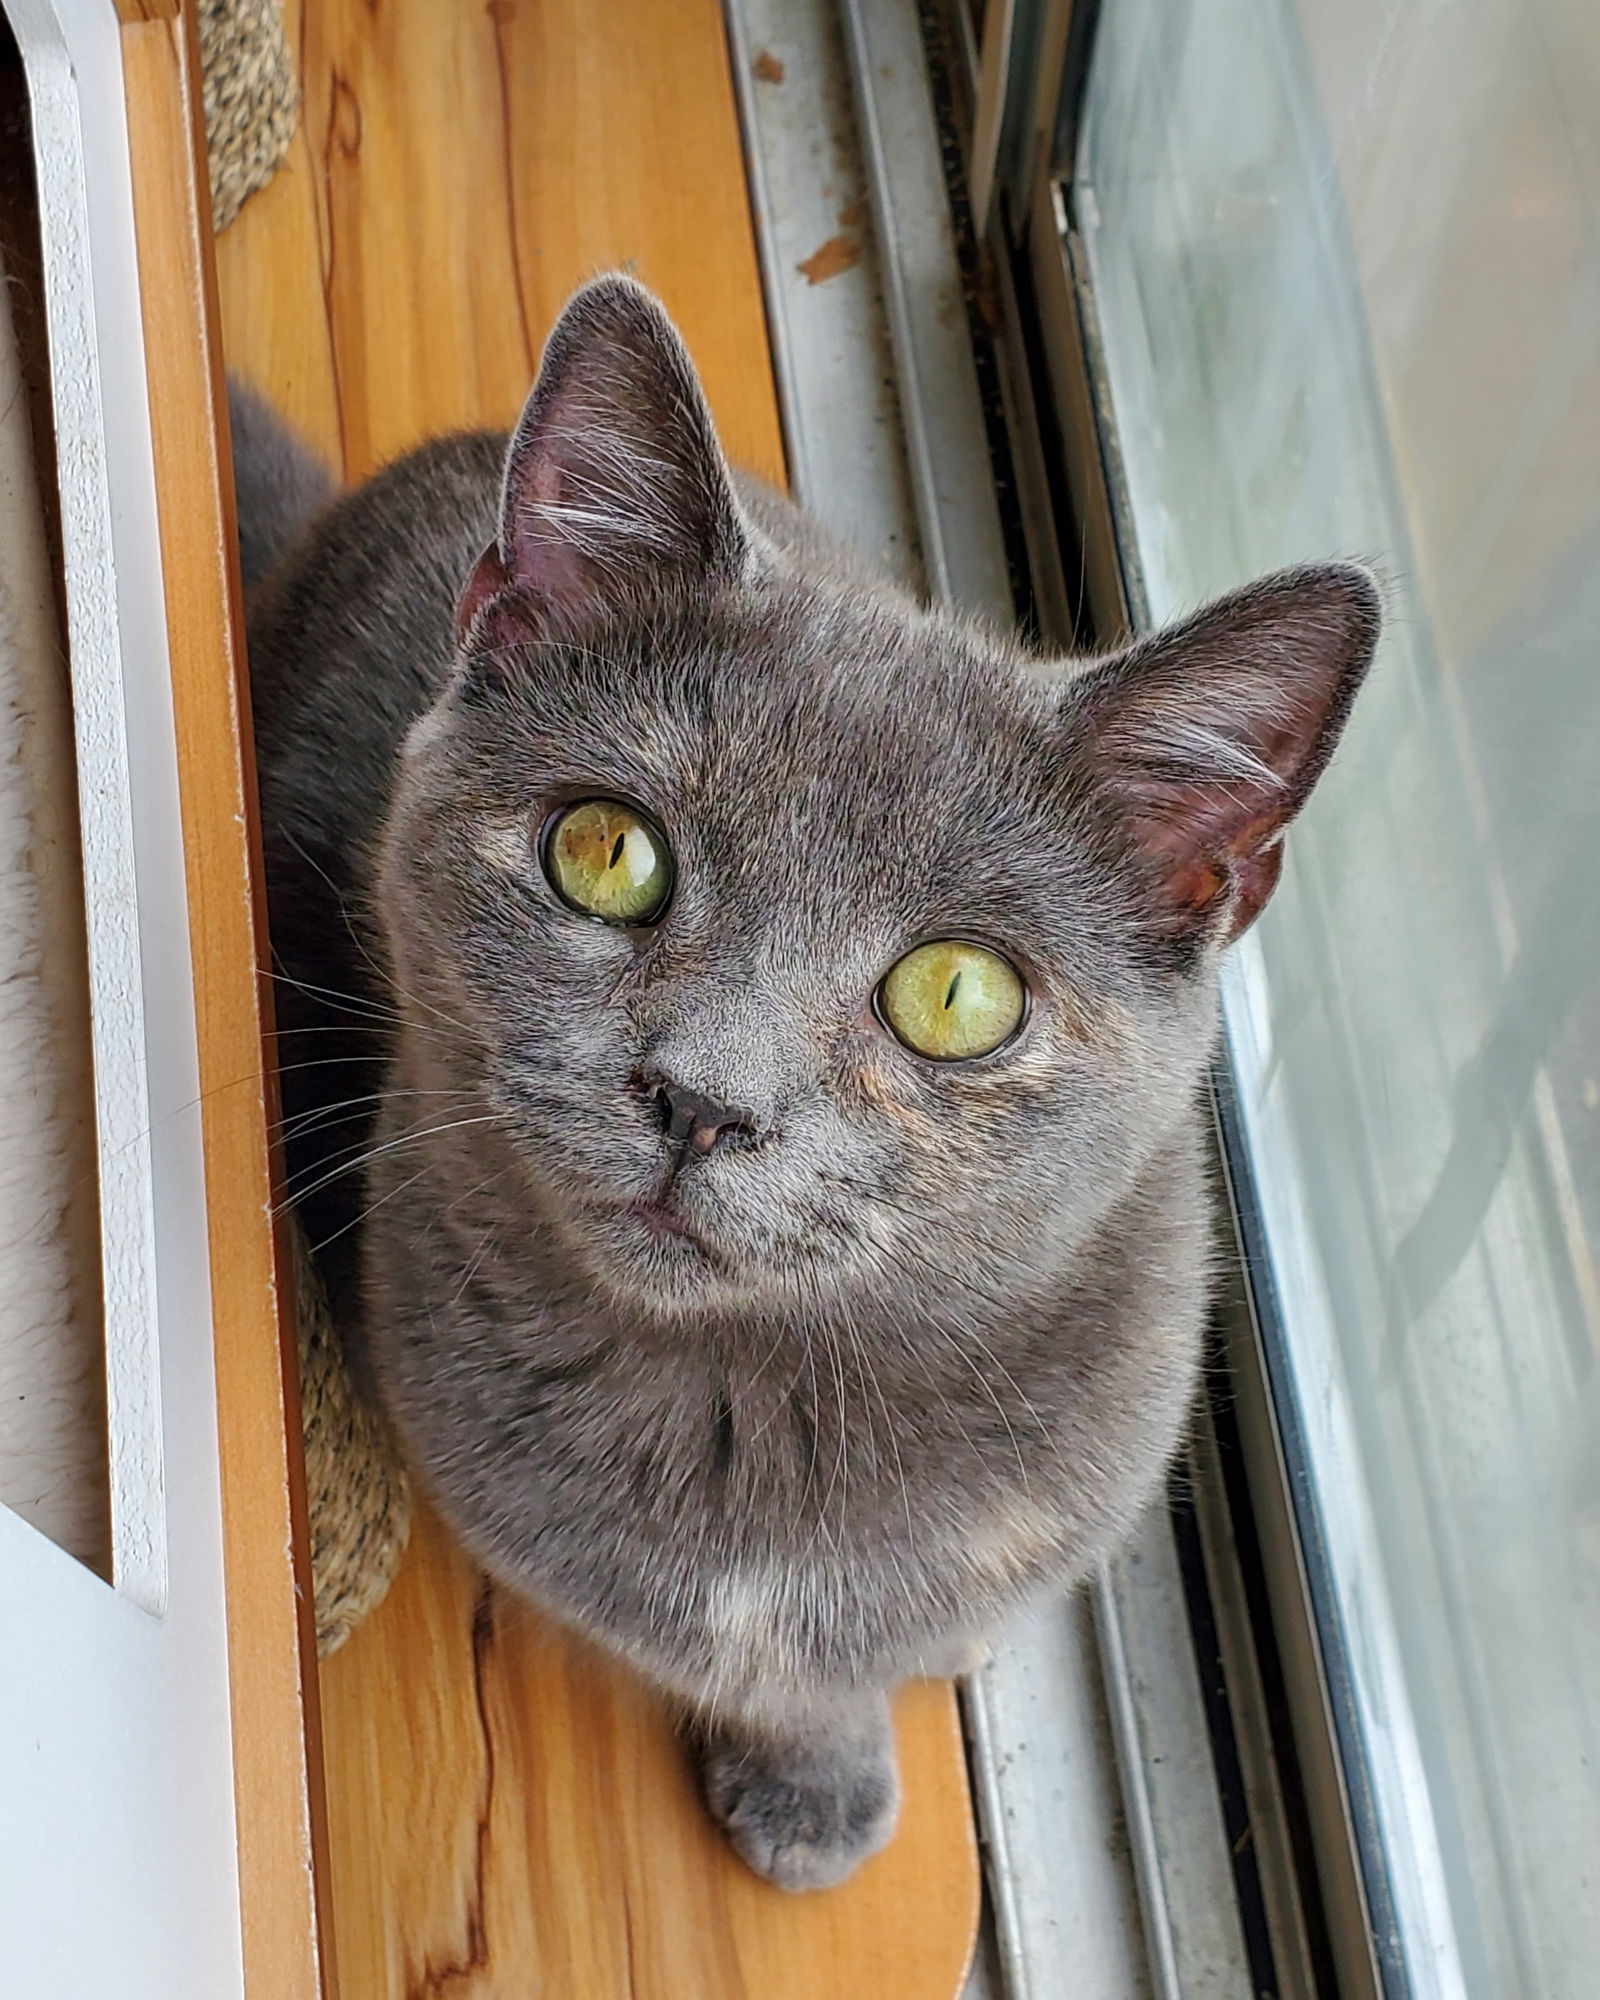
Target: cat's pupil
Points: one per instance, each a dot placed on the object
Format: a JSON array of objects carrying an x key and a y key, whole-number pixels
[
  {"x": 616, "y": 852},
  {"x": 950, "y": 997}
]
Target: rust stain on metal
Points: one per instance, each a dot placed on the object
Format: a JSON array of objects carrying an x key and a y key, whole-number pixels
[{"x": 829, "y": 259}]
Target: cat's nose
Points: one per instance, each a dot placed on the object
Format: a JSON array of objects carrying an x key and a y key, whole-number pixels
[{"x": 694, "y": 1121}]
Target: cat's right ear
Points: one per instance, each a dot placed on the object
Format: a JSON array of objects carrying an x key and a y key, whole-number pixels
[
  {"x": 615, "y": 485},
  {"x": 1206, "y": 739}
]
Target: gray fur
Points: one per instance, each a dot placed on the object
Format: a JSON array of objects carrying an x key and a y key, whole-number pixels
[
  {"x": 932, "y": 1341},
  {"x": 278, "y": 483}
]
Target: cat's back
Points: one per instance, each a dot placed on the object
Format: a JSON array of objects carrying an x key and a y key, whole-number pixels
[
  {"x": 350, "y": 612},
  {"x": 351, "y": 636}
]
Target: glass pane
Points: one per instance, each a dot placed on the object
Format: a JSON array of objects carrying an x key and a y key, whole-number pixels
[{"x": 1346, "y": 256}]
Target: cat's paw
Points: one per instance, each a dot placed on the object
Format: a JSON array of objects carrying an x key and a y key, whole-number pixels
[{"x": 803, "y": 1812}]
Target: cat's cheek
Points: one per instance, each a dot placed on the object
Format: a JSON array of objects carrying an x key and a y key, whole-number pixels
[{"x": 886, "y": 1097}]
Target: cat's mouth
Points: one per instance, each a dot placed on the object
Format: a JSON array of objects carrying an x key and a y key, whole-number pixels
[
  {"x": 673, "y": 1235},
  {"x": 670, "y": 1261},
  {"x": 665, "y": 1222},
  {"x": 657, "y": 1252}
]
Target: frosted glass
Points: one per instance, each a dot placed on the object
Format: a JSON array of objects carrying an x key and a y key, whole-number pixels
[{"x": 1346, "y": 257}]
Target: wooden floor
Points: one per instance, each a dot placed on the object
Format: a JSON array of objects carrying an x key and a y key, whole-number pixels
[{"x": 508, "y": 1816}]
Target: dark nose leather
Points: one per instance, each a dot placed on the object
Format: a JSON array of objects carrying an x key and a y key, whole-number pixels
[{"x": 693, "y": 1122}]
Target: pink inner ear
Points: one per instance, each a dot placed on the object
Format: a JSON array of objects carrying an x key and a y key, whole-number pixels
[
  {"x": 487, "y": 580},
  {"x": 1209, "y": 737},
  {"x": 1255, "y": 877},
  {"x": 1206, "y": 842}
]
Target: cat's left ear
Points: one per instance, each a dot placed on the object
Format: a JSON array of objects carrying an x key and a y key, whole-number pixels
[
  {"x": 1207, "y": 739},
  {"x": 615, "y": 484}
]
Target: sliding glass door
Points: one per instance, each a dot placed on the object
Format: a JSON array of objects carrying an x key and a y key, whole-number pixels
[{"x": 1344, "y": 260}]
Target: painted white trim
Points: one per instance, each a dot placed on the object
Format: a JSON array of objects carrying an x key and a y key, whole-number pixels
[{"x": 91, "y": 303}]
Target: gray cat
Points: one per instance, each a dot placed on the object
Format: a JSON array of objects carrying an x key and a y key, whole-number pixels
[{"x": 757, "y": 1022}]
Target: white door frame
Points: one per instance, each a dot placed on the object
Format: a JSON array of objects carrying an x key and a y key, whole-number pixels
[{"x": 118, "y": 1869}]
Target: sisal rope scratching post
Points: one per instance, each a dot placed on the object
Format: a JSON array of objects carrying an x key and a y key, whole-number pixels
[
  {"x": 357, "y": 1495},
  {"x": 251, "y": 100}
]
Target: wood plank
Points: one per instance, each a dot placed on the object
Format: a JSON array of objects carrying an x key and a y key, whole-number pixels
[
  {"x": 456, "y": 174},
  {"x": 271, "y": 1644},
  {"x": 566, "y": 1851},
  {"x": 510, "y": 1815}
]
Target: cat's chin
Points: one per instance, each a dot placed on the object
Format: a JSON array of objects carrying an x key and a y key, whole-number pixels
[
  {"x": 671, "y": 1268},
  {"x": 677, "y": 1284}
]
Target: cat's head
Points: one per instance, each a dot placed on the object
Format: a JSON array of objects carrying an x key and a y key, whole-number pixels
[{"x": 811, "y": 944}]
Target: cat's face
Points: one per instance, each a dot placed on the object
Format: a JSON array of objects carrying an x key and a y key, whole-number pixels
[
  {"x": 719, "y": 1097},
  {"x": 837, "y": 785}
]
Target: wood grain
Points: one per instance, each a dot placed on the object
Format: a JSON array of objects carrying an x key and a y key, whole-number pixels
[
  {"x": 271, "y": 1646},
  {"x": 458, "y": 171},
  {"x": 512, "y": 1816},
  {"x": 509, "y": 1815}
]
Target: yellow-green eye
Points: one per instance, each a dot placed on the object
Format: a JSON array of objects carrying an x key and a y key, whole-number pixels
[
  {"x": 609, "y": 861},
  {"x": 952, "y": 1000}
]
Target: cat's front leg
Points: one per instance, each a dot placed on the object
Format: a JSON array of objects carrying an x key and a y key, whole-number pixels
[{"x": 803, "y": 1801}]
